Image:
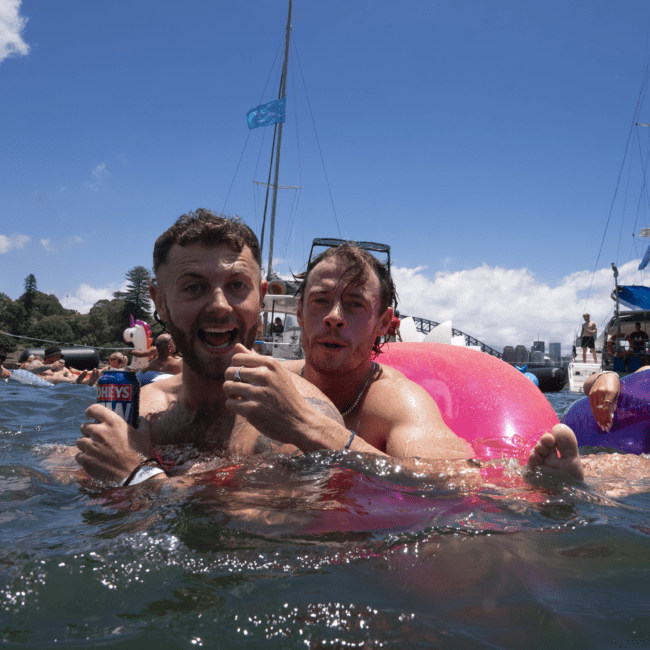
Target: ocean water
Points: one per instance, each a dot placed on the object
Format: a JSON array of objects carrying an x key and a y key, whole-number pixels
[{"x": 319, "y": 552}]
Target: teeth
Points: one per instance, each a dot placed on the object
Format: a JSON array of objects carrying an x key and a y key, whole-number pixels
[{"x": 216, "y": 330}]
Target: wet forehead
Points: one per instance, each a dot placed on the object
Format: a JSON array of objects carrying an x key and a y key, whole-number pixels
[
  {"x": 206, "y": 261},
  {"x": 330, "y": 275}
]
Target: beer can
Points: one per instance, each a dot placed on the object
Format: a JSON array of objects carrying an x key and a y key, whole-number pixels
[{"x": 119, "y": 390}]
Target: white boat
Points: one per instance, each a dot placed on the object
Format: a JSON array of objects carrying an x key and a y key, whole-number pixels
[{"x": 614, "y": 347}]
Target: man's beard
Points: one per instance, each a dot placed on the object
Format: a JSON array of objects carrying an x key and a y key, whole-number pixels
[{"x": 214, "y": 371}]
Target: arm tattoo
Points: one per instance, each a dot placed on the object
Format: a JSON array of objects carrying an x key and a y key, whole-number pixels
[
  {"x": 264, "y": 444},
  {"x": 325, "y": 408}
]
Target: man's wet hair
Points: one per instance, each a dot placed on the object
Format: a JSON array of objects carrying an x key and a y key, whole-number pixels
[
  {"x": 209, "y": 228},
  {"x": 360, "y": 263}
]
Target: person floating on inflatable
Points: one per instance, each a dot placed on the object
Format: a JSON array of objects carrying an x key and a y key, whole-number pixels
[
  {"x": 140, "y": 335},
  {"x": 616, "y": 413}
]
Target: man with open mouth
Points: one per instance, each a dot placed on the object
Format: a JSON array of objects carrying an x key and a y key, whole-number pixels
[{"x": 208, "y": 291}]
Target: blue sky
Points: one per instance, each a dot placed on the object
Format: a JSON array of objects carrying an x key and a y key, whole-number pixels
[{"x": 482, "y": 141}]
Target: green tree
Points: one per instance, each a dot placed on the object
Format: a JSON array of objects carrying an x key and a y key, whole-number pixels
[
  {"x": 136, "y": 296},
  {"x": 28, "y": 294},
  {"x": 44, "y": 304},
  {"x": 53, "y": 328},
  {"x": 12, "y": 317}
]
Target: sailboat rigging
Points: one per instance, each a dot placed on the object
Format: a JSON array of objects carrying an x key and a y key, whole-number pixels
[{"x": 266, "y": 115}]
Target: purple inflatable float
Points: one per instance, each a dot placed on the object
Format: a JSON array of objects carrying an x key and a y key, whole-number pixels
[{"x": 630, "y": 431}]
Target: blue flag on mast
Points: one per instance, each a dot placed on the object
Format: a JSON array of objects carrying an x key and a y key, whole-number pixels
[
  {"x": 645, "y": 260},
  {"x": 267, "y": 114}
]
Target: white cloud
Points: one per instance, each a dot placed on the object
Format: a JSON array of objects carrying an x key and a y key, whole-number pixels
[
  {"x": 11, "y": 26},
  {"x": 46, "y": 245},
  {"x": 14, "y": 241},
  {"x": 510, "y": 306},
  {"x": 86, "y": 296},
  {"x": 100, "y": 172}
]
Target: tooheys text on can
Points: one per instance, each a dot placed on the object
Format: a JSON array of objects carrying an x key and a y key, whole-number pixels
[{"x": 119, "y": 391}]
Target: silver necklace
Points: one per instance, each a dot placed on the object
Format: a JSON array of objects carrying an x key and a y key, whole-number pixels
[{"x": 361, "y": 392}]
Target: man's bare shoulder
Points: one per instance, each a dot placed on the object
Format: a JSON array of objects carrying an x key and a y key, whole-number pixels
[
  {"x": 158, "y": 395},
  {"x": 393, "y": 389},
  {"x": 294, "y": 366}
]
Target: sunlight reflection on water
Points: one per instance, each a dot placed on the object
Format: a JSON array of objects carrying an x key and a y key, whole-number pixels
[{"x": 313, "y": 552}]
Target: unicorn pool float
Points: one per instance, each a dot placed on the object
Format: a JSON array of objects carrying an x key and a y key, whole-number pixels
[{"x": 139, "y": 333}]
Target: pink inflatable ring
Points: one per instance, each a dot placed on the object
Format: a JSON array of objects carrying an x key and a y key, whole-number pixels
[{"x": 482, "y": 399}]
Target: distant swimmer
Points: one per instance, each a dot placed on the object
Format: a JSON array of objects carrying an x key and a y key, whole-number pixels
[
  {"x": 53, "y": 370},
  {"x": 4, "y": 373},
  {"x": 167, "y": 360},
  {"x": 588, "y": 338}
]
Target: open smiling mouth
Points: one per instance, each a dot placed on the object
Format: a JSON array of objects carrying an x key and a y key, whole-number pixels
[{"x": 218, "y": 338}]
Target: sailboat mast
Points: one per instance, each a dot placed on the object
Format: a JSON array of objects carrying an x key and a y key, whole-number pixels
[{"x": 283, "y": 92}]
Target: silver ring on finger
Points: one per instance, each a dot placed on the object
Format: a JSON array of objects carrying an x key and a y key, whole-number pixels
[{"x": 238, "y": 375}]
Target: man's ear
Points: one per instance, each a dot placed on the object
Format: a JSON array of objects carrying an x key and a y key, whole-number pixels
[
  {"x": 384, "y": 322},
  {"x": 264, "y": 287},
  {"x": 299, "y": 313},
  {"x": 158, "y": 297}
]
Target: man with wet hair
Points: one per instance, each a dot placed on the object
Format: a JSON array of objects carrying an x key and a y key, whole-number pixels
[
  {"x": 208, "y": 291},
  {"x": 346, "y": 309},
  {"x": 346, "y": 301}
]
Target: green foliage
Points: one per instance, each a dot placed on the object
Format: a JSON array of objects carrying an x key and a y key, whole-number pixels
[
  {"x": 136, "y": 296},
  {"x": 13, "y": 317},
  {"x": 46, "y": 305},
  {"x": 102, "y": 327},
  {"x": 30, "y": 290},
  {"x": 52, "y": 328}
]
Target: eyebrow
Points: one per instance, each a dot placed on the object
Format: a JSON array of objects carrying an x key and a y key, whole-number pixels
[{"x": 356, "y": 291}]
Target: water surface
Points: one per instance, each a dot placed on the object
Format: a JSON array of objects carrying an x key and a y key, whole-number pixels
[{"x": 319, "y": 552}]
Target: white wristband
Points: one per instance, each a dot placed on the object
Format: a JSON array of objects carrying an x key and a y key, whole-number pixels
[{"x": 144, "y": 473}]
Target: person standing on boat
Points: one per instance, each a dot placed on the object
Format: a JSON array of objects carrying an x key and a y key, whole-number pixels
[
  {"x": 588, "y": 338},
  {"x": 638, "y": 340}
]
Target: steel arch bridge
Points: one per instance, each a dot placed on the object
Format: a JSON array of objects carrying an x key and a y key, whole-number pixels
[{"x": 425, "y": 326}]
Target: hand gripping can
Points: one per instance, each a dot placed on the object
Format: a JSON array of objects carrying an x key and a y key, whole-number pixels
[{"x": 119, "y": 390}]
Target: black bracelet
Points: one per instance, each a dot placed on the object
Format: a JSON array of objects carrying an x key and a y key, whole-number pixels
[
  {"x": 347, "y": 447},
  {"x": 131, "y": 476}
]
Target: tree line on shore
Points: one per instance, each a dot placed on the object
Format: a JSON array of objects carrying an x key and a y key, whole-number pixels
[{"x": 41, "y": 317}]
